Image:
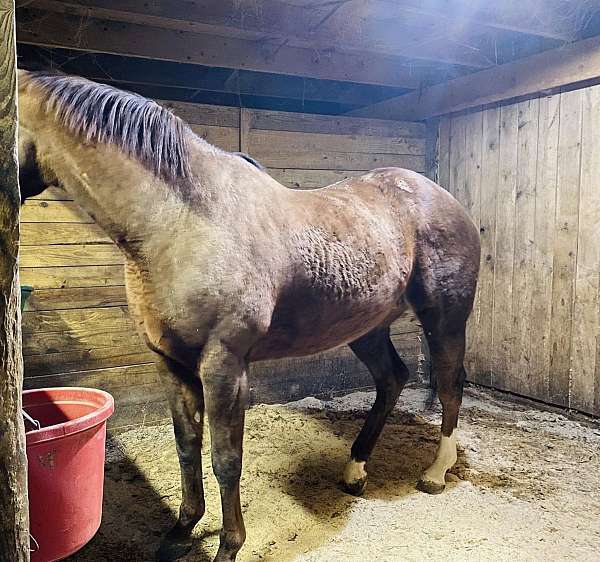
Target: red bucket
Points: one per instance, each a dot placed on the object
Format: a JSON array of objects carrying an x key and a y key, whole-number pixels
[{"x": 66, "y": 467}]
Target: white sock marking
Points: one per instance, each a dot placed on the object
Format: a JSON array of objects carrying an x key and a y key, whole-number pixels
[
  {"x": 444, "y": 459},
  {"x": 354, "y": 471}
]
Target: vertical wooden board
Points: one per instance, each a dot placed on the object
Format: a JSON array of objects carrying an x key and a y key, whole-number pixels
[
  {"x": 543, "y": 251},
  {"x": 484, "y": 351},
  {"x": 444, "y": 152},
  {"x": 597, "y": 369},
  {"x": 503, "y": 339},
  {"x": 565, "y": 245},
  {"x": 586, "y": 314},
  {"x": 432, "y": 130},
  {"x": 473, "y": 123},
  {"x": 471, "y": 196},
  {"x": 457, "y": 157},
  {"x": 244, "y": 130},
  {"x": 528, "y": 116}
]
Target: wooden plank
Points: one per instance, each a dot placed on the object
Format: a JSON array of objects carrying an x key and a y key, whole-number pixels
[
  {"x": 457, "y": 157},
  {"x": 244, "y": 130},
  {"x": 72, "y": 321},
  {"x": 521, "y": 376},
  {"x": 544, "y": 18},
  {"x": 44, "y": 234},
  {"x": 490, "y": 170},
  {"x": 72, "y": 255},
  {"x": 35, "y": 210},
  {"x": 586, "y": 307},
  {"x": 339, "y": 125},
  {"x": 568, "y": 64},
  {"x": 202, "y": 114},
  {"x": 565, "y": 245},
  {"x": 444, "y": 149},
  {"x": 503, "y": 339},
  {"x": 432, "y": 129},
  {"x": 87, "y": 337},
  {"x": 543, "y": 255},
  {"x": 131, "y": 384},
  {"x": 61, "y": 30},
  {"x": 79, "y": 297},
  {"x": 471, "y": 201},
  {"x": 335, "y": 160},
  {"x": 324, "y": 374},
  {"x": 53, "y": 194},
  {"x": 223, "y": 137},
  {"x": 310, "y": 179},
  {"x": 72, "y": 276},
  {"x": 84, "y": 361},
  {"x": 260, "y": 142},
  {"x": 597, "y": 371},
  {"x": 142, "y": 414},
  {"x": 319, "y": 28},
  {"x": 408, "y": 323}
]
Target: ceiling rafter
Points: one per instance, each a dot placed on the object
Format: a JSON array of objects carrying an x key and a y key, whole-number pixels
[
  {"x": 343, "y": 25},
  {"x": 572, "y": 64},
  {"x": 85, "y": 33},
  {"x": 562, "y": 20},
  {"x": 187, "y": 79}
]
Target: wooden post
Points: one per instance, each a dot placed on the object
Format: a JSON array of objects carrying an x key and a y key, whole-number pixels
[{"x": 14, "y": 512}]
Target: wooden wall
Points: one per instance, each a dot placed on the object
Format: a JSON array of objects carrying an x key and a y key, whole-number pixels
[
  {"x": 529, "y": 174},
  {"x": 76, "y": 327}
]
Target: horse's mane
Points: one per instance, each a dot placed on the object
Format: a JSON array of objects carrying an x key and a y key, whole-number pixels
[{"x": 139, "y": 127}]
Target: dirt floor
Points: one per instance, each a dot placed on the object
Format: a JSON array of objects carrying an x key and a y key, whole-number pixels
[{"x": 526, "y": 487}]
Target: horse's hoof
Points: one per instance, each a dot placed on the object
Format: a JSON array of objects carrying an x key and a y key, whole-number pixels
[
  {"x": 355, "y": 488},
  {"x": 224, "y": 558},
  {"x": 173, "y": 548},
  {"x": 430, "y": 487},
  {"x": 355, "y": 477},
  {"x": 225, "y": 555}
]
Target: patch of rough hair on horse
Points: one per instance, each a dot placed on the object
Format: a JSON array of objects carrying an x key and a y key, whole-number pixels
[
  {"x": 388, "y": 179},
  {"x": 337, "y": 269}
]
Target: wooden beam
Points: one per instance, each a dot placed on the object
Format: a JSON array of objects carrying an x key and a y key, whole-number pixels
[
  {"x": 553, "y": 19},
  {"x": 184, "y": 80},
  {"x": 352, "y": 27},
  {"x": 93, "y": 35},
  {"x": 576, "y": 62},
  {"x": 14, "y": 511}
]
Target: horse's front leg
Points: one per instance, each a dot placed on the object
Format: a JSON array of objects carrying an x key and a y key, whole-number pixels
[
  {"x": 223, "y": 375},
  {"x": 186, "y": 402}
]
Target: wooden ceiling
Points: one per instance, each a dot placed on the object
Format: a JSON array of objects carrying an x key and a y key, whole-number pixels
[{"x": 393, "y": 45}]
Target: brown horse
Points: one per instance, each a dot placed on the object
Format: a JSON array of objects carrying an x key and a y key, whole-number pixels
[{"x": 225, "y": 266}]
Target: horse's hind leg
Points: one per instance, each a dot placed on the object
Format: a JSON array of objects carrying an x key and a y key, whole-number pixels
[
  {"x": 377, "y": 352},
  {"x": 184, "y": 393},
  {"x": 447, "y": 350},
  {"x": 443, "y": 304}
]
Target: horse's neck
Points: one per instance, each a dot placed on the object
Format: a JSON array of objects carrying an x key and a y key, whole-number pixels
[{"x": 127, "y": 200}]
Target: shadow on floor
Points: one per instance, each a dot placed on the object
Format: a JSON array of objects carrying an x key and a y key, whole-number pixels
[{"x": 291, "y": 496}]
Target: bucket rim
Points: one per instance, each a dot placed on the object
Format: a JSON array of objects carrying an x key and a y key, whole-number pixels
[{"x": 103, "y": 400}]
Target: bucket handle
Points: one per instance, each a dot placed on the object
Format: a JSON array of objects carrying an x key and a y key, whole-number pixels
[
  {"x": 31, "y": 420},
  {"x": 37, "y": 425}
]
